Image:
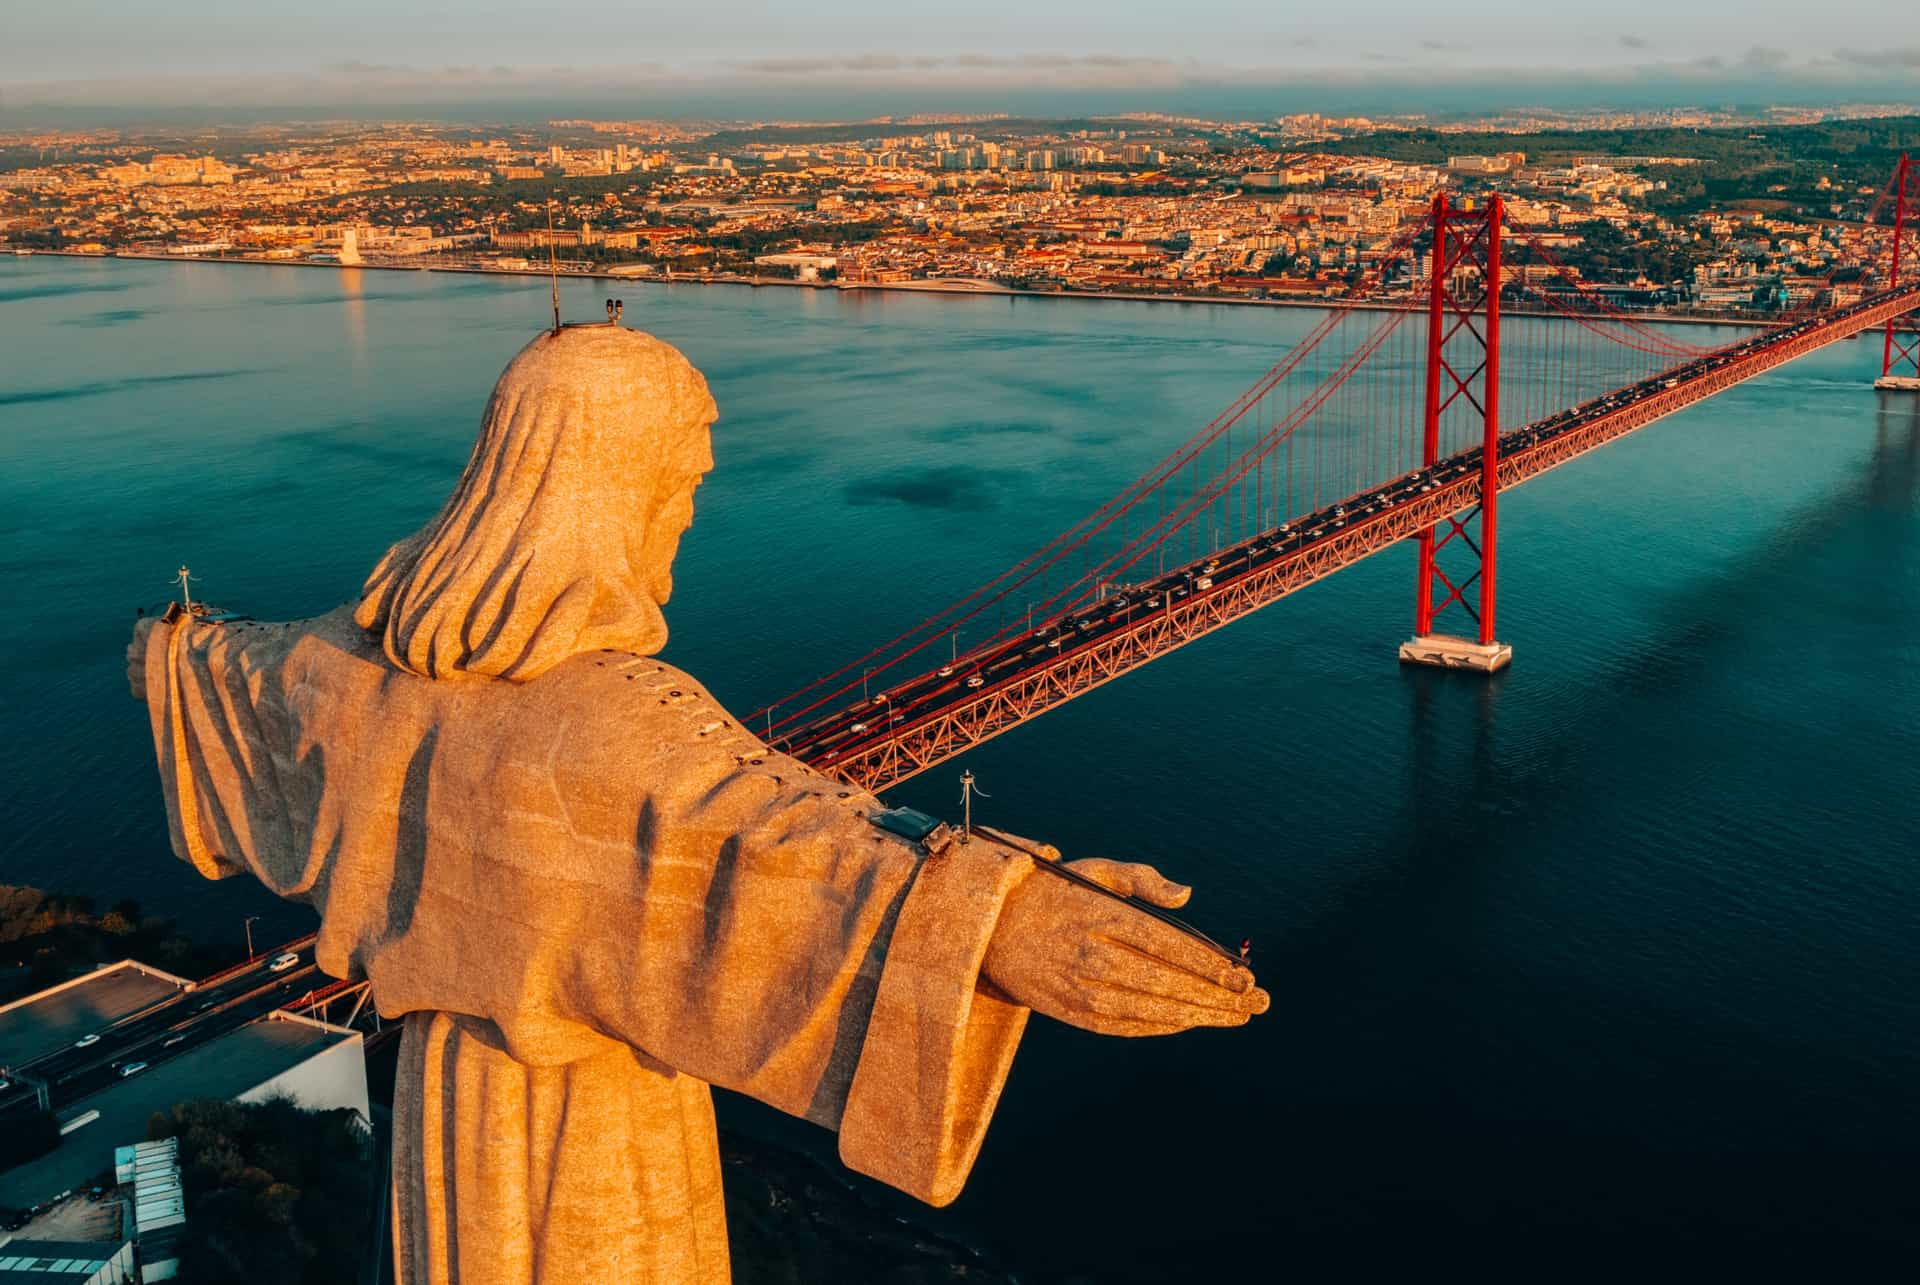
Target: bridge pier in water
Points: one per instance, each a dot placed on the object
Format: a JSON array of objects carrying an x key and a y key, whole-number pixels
[
  {"x": 1463, "y": 365},
  {"x": 1445, "y": 651}
]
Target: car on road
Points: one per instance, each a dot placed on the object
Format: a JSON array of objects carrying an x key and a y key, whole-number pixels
[
  {"x": 171, "y": 1040},
  {"x": 283, "y": 961},
  {"x": 88, "y": 1040},
  {"x": 132, "y": 1068}
]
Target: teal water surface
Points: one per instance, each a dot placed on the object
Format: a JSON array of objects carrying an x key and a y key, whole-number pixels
[{"x": 1610, "y": 959}]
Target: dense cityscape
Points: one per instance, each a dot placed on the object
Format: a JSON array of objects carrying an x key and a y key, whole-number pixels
[{"x": 1732, "y": 214}]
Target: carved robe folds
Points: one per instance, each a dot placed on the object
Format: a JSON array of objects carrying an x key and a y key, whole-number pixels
[{"x": 592, "y": 895}]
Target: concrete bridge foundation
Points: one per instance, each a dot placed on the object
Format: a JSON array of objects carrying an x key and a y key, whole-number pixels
[{"x": 1449, "y": 652}]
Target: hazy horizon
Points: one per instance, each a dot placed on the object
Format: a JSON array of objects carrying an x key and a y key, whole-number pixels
[{"x": 112, "y": 61}]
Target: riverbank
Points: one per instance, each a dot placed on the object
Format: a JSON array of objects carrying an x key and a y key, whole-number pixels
[
  {"x": 966, "y": 287},
  {"x": 47, "y": 937}
]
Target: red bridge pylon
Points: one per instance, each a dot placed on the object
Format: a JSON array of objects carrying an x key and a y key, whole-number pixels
[
  {"x": 1463, "y": 386},
  {"x": 1899, "y": 353}
]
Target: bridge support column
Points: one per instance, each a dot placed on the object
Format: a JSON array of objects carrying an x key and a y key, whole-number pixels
[
  {"x": 1463, "y": 366},
  {"x": 1899, "y": 352}
]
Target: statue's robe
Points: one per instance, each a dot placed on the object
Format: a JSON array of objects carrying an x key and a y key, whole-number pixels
[{"x": 592, "y": 895}]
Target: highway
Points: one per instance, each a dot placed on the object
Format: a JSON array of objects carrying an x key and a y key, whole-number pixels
[
  {"x": 174, "y": 1026},
  {"x": 937, "y": 714}
]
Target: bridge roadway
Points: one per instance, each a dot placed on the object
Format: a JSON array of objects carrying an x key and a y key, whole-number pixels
[
  {"x": 180, "y": 1023},
  {"x": 928, "y": 719}
]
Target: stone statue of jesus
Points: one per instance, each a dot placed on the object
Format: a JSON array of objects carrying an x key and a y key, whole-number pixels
[{"x": 590, "y": 892}]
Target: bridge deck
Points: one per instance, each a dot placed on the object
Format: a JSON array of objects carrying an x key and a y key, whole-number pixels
[{"x": 934, "y": 716}]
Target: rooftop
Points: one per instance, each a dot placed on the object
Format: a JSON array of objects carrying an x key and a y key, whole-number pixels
[
  {"x": 53, "y": 1020},
  {"x": 228, "y": 1067},
  {"x": 46, "y": 1262}
]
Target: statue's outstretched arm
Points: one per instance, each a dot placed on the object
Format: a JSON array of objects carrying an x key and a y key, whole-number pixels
[
  {"x": 906, "y": 1058},
  {"x": 605, "y": 858}
]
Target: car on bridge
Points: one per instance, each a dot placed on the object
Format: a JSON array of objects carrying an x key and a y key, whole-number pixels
[
  {"x": 283, "y": 961},
  {"x": 132, "y": 1069}
]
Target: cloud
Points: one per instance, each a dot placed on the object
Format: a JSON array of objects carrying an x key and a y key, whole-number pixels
[
  {"x": 1757, "y": 60},
  {"x": 355, "y": 67},
  {"x": 1907, "y": 59},
  {"x": 882, "y": 63},
  {"x": 356, "y": 72},
  {"x": 856, "y": 85}
]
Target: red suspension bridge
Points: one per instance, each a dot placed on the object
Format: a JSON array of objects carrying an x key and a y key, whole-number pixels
[{"x": 1372, "y": 430}]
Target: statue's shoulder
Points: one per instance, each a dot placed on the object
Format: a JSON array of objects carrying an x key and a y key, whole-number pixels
[
  {"x": 258, "y": 642},
  {"x": 636, "y": 706},
  {"x": 622, "y": 689},
  {"x": 333, "y": 642}
]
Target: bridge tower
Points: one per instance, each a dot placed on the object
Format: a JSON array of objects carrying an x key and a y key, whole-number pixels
[
  {"x": 1462, "y": 395},
  {"x": 1899, "y": 353}
]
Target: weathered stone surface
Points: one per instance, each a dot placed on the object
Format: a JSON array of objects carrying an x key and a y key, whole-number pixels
[{"x": 591, "y": 892}]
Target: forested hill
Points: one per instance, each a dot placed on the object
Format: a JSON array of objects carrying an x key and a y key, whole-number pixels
[{"x": 1737, "y": 162}]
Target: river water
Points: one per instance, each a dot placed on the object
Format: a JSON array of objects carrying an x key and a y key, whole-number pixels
[{"x": 1610, "y": 959}]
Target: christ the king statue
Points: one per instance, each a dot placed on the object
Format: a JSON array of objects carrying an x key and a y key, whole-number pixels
[{"x": 589, "y": 891}]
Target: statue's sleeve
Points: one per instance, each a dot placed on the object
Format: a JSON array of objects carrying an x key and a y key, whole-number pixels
[
  {"x": 938, "y": 1045},
  {"x": 218, "y": 722}
]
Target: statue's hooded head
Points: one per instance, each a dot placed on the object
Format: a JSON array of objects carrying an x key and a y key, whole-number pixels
[{"x": 560, "y": 537}]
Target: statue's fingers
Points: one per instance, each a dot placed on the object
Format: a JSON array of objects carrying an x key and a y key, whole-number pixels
[
  {"x": 1123, "y": 966},
  {"x": 1122, "y": 1003},
  {"x": 1134, "y": 879},
  {"x": 1164, "y": 942}
]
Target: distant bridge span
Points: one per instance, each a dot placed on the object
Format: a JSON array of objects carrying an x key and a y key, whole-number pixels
[{"x": 1099, "y": 627}]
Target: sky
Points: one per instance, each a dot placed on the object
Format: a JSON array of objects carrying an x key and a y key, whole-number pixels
[{"x": 822, "y": 57}]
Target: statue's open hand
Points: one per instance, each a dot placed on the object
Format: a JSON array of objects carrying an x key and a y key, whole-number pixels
[{"x": 1102, "y": 965}]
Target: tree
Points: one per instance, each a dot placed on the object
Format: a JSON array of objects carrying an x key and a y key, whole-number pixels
[
  {"x": 28, "y": 1138},
  {"x": 274, "y": 1192}
]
